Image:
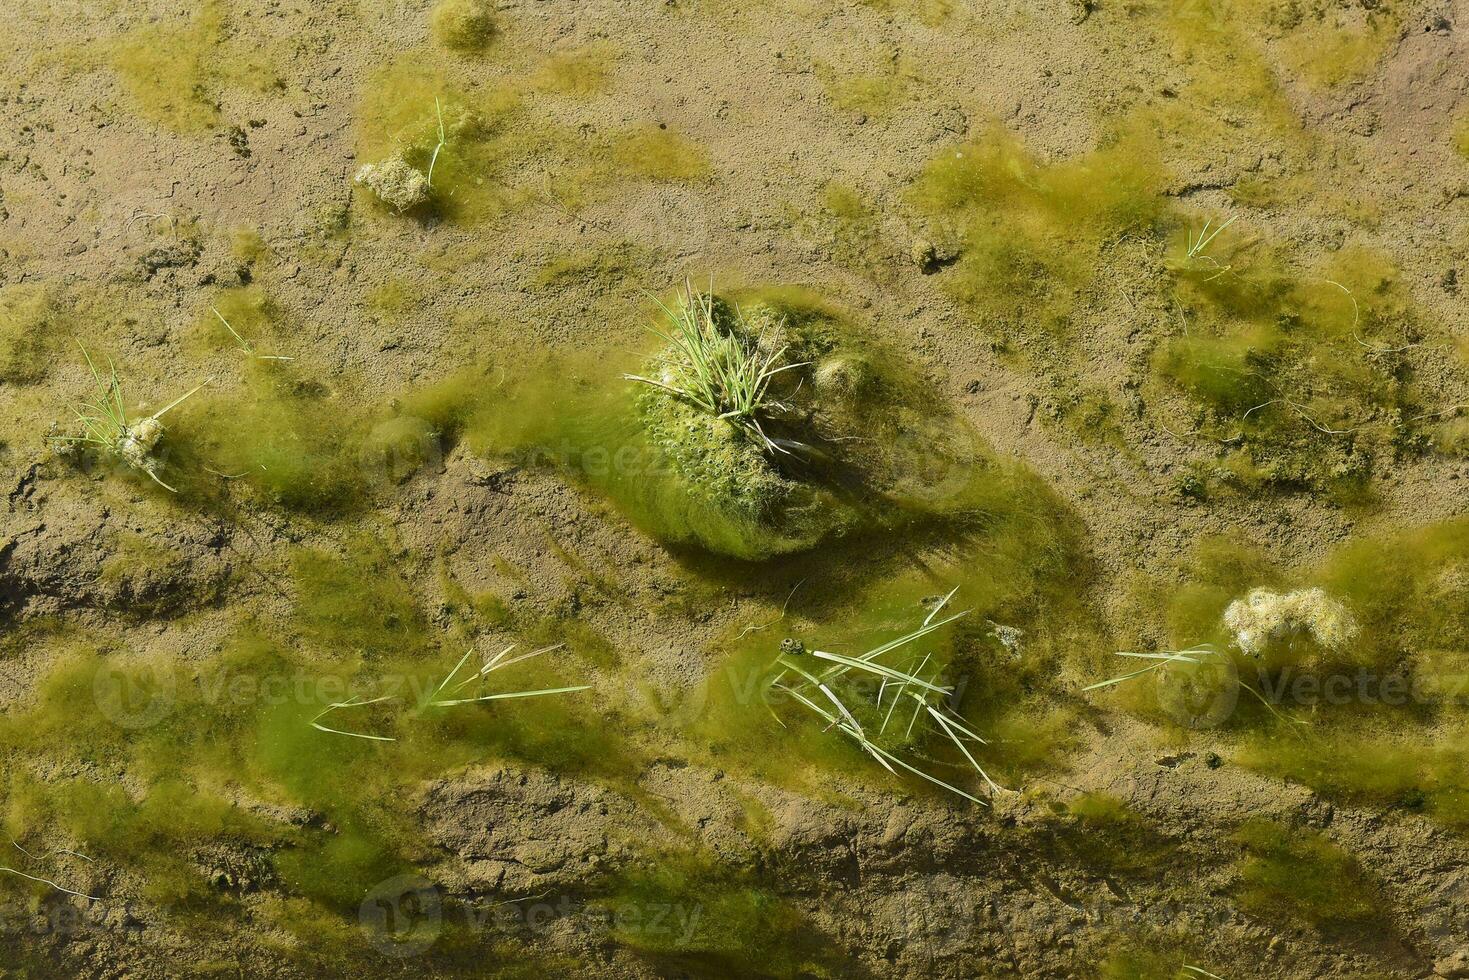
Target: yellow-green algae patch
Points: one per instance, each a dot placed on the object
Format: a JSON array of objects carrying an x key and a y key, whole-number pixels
[
  {"x": 1300, "y": 874},
  {"x": 883, "y": 456},
  {"x": 1381, "y": 720},
  {"x": 1029, "y": 236},
  {"x": 174, "y": 71},
  {"x": 581, "y": 71},
  {"x": 31, "y": 331},
  {"x": 494, "y": 130},
  {"x": 1007, "y": 658}
]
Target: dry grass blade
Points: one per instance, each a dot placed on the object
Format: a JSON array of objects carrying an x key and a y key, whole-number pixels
[
  {"x": 499, "y": 661},
  {"x": 352, "y": 702},
  {"x": 48, "y": 881},
  {"x": 928, "y": 699}
]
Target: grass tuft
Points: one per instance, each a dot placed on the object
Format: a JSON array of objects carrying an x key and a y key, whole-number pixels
[
  {"x": 724, "y": 371},
  {"x": 107, "y": 429},
  {"x": 826, "y": 688}
]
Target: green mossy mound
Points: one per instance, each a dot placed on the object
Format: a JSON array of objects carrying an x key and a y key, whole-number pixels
[
  {"x": 465, "y": 26},
  {"x": 876, "y": 451}
]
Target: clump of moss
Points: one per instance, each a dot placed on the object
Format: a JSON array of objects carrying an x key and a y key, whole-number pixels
[
  {"x": 735, "y": 481},
  {"x": 414, "y": 115},
  {"x": 785, "y": 482},
  {"x": 395, "y": 182},
  {"x": 1264, "y": 617},
  {"x": 1300, "y": 874},
  {"x": 466, "y": 26}
]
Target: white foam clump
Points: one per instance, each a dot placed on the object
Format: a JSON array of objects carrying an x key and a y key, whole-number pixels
[{"x": 1264, "y": 615}]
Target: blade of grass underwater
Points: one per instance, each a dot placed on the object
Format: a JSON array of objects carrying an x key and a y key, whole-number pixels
[
  {"x": 509, "y": 695},
  {"x": 182, "y": 398},
  {"x": 963, "y": 748},
  {"x": 353, "y": 702},
  {"x": 939, "y": 608},
  {"x": 834, "y": 722},
  {"x": 47, "y": 881},
  {"x": 879, "y": 669},
  {"x": 1198, "y": 969},
  {"x": 1180, "y": 656},
  {"x": 916, "y": 634},
  {"x": 830, "y": 696}
]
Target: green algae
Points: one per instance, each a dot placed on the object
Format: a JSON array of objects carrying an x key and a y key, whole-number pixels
[
  {"x": 399, "y": 112},
  {"x": 1030, "y": 236},
  {"x": 657, "y": 153},
  {"x": 1017, "y": 582},
  {"x": 31, "y": 330},
  {"x": 1328, "y": 46},
  {"x": 689, "y": 913},
  {"x": 929, "y": 12},
  {"x": 872, "y": 94},
  {"x": 282, "y": 434},
  {"x": 1384, "y": 715},
  {"x": 1302, "y": 370},
  {"x": 357, "y": 602},
  {"x": 1104, "y": 835},
  {"x": 174, "y": 72},
  {"x": 582, "y": 71},
  {"x": 849, "y": 228},
  {"x": 1423, "y": 773},
  {"x": 1299, "y": 874},
  {"x": 254, "y": 317}
]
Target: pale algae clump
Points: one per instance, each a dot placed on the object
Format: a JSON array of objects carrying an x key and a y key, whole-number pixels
[
  {"x": 1263, "y": 616},
  {"x": 395, "y": 182},
  {"x": 463, "y": 25}
]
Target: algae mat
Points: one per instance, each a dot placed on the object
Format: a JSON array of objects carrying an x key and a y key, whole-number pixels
[{"x": 607, "y": 489}]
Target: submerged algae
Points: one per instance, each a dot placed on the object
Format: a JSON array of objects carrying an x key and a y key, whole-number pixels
[{"x": 863, "y": 447}]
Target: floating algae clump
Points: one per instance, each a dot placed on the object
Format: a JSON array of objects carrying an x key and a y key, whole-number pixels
[
  {"x": 712, "y": 411},
  {"x": 1264, "y": 615},
  {"x": 463, "y": 25},
  {"x": 753, "y": 411},
  {"x": 395, "y": 182}
]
